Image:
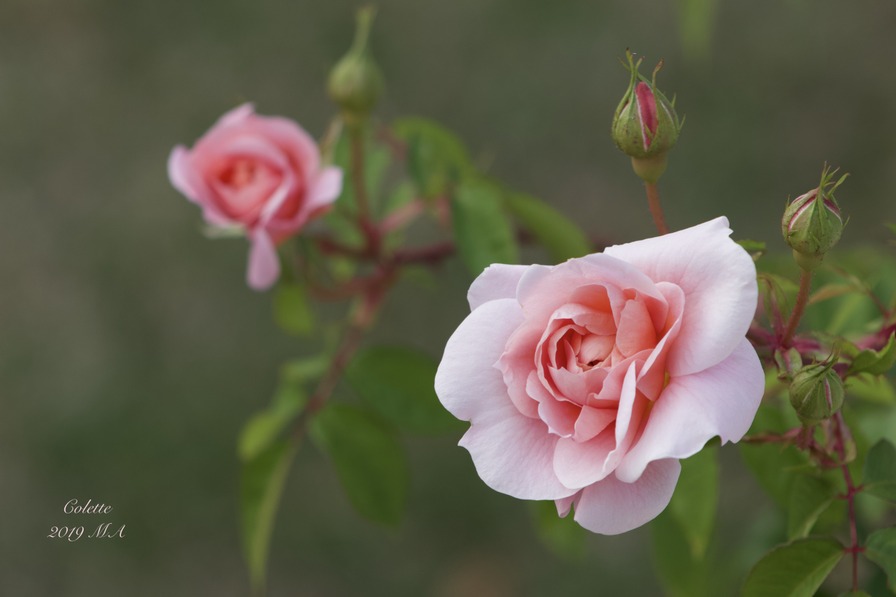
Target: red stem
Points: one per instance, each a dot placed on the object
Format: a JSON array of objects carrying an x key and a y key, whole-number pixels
[
  {"x": 802, "y": 298},
  {"x": 653, "y": 202},
  {"x": 851, "y": 491}
]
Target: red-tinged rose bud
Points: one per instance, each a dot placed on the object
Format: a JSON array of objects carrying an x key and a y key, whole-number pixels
[
  {"x": 355, "y": 83},
  {"x": 812, "y": 223},
  {"x": 645, "y": 125},
  {"x": 816, "y": 393}
]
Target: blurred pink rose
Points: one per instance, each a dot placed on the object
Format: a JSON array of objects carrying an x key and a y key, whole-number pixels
[
  {"x": 260, "y": 173},
  {"x": 585, "y": 382}
]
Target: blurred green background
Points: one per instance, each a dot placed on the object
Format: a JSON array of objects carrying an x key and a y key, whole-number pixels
[{"x": 132, "y": 351}]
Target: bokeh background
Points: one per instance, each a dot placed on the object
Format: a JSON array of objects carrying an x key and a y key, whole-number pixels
[{"x": 131, "y": 350}]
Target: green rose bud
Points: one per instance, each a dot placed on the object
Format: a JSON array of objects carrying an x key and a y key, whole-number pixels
[
  {"x": 645, "y": 125},
  {"x": 816, "y": 393},
  {"x": 355, "y": 83},
  {"x": 812, "y": 223}
]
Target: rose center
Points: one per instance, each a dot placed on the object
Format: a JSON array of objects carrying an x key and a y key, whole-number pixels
[
  {"x": 580, "y": 350},
  {"x": 239, "y": 174}
]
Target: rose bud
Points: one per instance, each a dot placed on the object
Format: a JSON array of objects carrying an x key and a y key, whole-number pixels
[
  {"x": 260, "y": 174},
  {"x": 645, "y": 125},
  {"x": 816, "y": 393},
  {"x": 355, "y": 83},
  {"x": 812, "y": 223}
]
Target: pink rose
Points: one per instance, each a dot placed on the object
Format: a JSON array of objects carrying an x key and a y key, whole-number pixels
[
  {"x": 259, "y": 173},
  {"x": 585, "y": 382}
]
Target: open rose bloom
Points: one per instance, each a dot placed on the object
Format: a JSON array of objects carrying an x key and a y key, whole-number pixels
[
  {"x": 259, "y": 173},
  {"x": 586, "y": 382}
]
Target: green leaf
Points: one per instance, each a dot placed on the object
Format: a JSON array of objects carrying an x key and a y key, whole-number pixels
[
  {"x": 560, "y": 236},
  {"x": 291, "y": 310},
  {"x": 774, "y": 465},
  {"x": 880, "y": 548},
  {"x": 299, "y": 371},
  {"x": 680, "y": 573},
  {"x": 873, "y": 361},
  {"x": 369, "y": 460},
  {"x": 872, "y": 388},
  {"x": 810, "y": 496},
  {"x": 398, "y": 384},
  {"x": 880, "y": 471},
  {"x": 795, "y": 569},
  {"x": 829, "y": 291},
  {"x": 290, "y": 399},
  {"x": 263, "y": 428},
  {"x": 696, "y": 498},
  {"x": 436, "y": 157},
  {"x": 482, "y": 232},
  {"x": 756, "y": 248},
  {"x": 261, "y": 485},
  {"x": 562, "y": 535}
]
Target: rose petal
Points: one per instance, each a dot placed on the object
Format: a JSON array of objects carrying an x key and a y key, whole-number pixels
[
  {"x": 237, "y": 115},
  {"x": 611, "y": 507},
  {"x": 467, "y": 382},
  {"x": 719, "y": 282},
  {"x": 543, "y": 289},
  {"x": 635, "y": 332},
  {"x": 719, "y": 401},
  {"x": 325, "y": 190},
  {"x": 513, "y": 454},
  {"x": 264, "y": 265},
  {"x": 564, "y": 505},
  {"x": 579, "y": 464},
  {"x": 592, "y": 421},
  {"x": 185, "y": 179},
  {"x": 497, "y": 281}
]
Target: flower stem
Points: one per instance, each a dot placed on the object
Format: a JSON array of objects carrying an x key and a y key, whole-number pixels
[
  {"x": 802, "y": 298},
  {"x": 851, "y": 491},
  {"x": 356, "y": 140},
  {"x": 653, "y": 202},
  {"x": 361, "y": 321}
]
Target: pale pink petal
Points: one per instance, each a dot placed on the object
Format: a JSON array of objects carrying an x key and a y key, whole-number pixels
[
  {"x": 611, "y": 506},
  {"x": 564, "y": 505},
  {"x": 629, "y": 414},
  {"x": 543, "y": 289},
  {"x": 719, "y": 283},
  {"x": 497, "y": 281},
  {"x": 513, "y": 454},
  {"x": 559, "y": 415},
  {"x": 719, "y": 401},
  {"x": 467, "y": 381},
  {"x": 579, "y": 464},
  {"x": 635, "y": 332},
  {"x": 326, "y": 188},
  {"x": 180, "y": 174},
  {"x": 264, "y": 264},
  {"x": 517, "y": 370},
  {"x": 592, "y": 421},
  {"x": 292, "y": 139},
  {"x": 236, "y": 116},
  {"x": 187, "y": 180}
]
